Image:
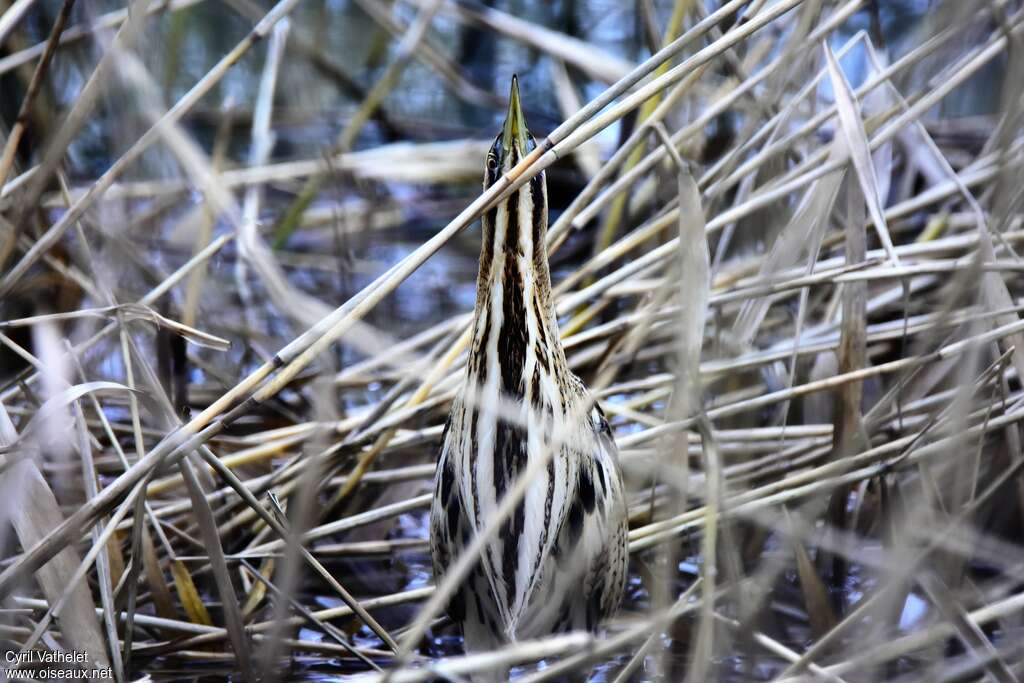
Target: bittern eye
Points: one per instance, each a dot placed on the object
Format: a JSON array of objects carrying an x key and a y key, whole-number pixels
[{"x": 492, "y": 162}]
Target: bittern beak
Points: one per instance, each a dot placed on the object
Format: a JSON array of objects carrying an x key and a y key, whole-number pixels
[{"x": 514, "y": 132}]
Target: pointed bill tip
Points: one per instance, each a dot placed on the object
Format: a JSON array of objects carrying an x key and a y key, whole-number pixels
[
  {"x": 513, "y": 94},
  {"x": 515, "y": 123}
]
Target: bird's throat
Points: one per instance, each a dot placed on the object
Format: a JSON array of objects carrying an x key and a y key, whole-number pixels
[{"x": 514, "y": 323}]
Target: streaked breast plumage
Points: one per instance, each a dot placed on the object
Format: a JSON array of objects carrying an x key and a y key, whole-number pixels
[{"x": 559, "y": 561}]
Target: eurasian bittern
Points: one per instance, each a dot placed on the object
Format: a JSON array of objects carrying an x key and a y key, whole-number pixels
[{"x": 559, "y": 561}]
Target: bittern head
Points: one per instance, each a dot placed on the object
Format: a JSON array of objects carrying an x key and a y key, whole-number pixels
[{"x": 513, "y": 142}]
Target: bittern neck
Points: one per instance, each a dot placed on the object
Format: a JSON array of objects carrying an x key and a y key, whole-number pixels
[{"x": 515, "y": 334}]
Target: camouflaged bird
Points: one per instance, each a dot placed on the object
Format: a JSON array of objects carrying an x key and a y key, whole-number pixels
[{"x": 559, "y": 561}]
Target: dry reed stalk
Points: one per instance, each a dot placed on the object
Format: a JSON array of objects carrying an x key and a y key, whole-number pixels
[{"x": 795, "y": 288}]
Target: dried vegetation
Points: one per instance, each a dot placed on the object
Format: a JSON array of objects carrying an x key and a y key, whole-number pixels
[{"x": 793, "y": 281}]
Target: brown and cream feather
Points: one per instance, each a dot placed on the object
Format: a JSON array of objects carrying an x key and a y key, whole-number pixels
[{"x": 559, "y": 561}]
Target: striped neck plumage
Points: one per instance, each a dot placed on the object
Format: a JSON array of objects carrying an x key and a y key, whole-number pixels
[{"x": 514, "y": 323}]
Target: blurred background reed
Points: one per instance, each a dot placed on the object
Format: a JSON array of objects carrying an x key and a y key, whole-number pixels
[{"x": 236, "y": 262}]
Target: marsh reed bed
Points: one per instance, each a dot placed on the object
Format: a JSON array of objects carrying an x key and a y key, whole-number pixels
[{"x": 237, "y": 258}]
